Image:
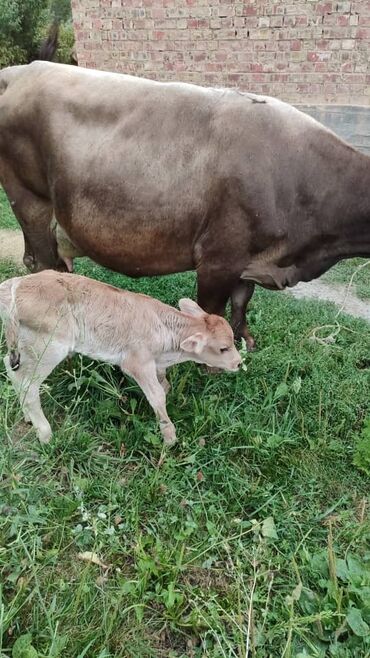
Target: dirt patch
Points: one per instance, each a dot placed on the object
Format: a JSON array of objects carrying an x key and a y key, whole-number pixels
[
  {"x": 336, "y": 293},
  {"x": 11, "y": 245}
]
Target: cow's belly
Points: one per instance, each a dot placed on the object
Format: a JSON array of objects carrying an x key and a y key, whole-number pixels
[
  {"x": 134, "y": 246},
  {"x": 132, "y": 207}
]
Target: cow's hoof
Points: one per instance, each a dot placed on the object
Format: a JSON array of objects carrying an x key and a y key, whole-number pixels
[
  {"x": 29, "y": 262},
  {"x": 249, "y": 341}
]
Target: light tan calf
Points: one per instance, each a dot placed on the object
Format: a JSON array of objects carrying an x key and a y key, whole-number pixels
[{"x": 50, "y": 315}]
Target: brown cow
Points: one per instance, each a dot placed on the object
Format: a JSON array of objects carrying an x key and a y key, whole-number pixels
[
  {"x": 151, "y": 178},
  {"x": 50, "y": 315}
]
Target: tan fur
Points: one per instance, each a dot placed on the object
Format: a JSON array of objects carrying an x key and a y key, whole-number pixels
[{"x": 53, "y": 314}]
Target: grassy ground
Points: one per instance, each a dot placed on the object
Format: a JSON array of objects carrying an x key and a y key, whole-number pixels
[
  {"x": 7, "y": 218},
  {"x": 356, "y": 270},
  {"x": 251, "y": 539}
]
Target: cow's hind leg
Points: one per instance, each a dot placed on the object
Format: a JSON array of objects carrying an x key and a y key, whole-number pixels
[
  {"x": 27, "y": 380},
  {"x": 240, "y": 297},
  {"x": 34, "y": 213}
]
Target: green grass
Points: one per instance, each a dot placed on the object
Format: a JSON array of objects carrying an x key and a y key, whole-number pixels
[
  {"x": 356, "y": 270},
  {"x": 252, "y": 535},
  {"x": 7, "y": 218}
]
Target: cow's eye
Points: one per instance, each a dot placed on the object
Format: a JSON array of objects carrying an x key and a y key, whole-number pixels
[{"x": 224, "y": 349}]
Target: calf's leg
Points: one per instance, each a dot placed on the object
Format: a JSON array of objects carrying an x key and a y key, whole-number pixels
[
  {"x": 144, "y": 372},
  {"x": 27, "y": 380},
  {"x": 161, "y": 374}
]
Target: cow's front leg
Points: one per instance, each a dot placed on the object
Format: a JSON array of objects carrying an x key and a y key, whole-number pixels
[
  {"x": 214, "y": 290},
  {"x": 240, "y": 298},
  {"x": 144, "y": 372}
]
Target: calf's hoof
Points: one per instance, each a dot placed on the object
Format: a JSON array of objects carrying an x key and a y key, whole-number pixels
[
  {"x": 44, "y": 435},
  {"x": 169, "y": 434}
]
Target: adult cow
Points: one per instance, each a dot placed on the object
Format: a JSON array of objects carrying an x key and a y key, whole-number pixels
[{"x": 152, "y": 178}]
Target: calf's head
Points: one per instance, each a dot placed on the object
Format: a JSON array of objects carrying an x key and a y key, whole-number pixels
[{"x": 212, "y": 342}]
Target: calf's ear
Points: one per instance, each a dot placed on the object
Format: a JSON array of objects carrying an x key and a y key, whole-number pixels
[
  {"x": 191, "y": 308},
  {"x": 194, "y": 343}
]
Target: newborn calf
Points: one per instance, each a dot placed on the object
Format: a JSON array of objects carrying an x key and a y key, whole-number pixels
[{"x": 50, "y": 315}]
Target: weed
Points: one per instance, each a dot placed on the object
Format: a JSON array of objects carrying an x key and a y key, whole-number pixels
[{"x": 361, "y": 457}]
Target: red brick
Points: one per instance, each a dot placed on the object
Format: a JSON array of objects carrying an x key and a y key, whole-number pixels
[
  {"x": 342, "y": 20},
  {"x": 295, "y": 45},
  {"x": 315, "y": 49},
  {"x": 324, "y": 7},
  {"x": 312, "y": 57},
  {"x": 363, "y": 33}
]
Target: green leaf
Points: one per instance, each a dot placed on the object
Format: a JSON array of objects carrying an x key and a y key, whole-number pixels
[
  {"x": 139, "y": 612},
  {"x": 169, "y": 596},
  {"x": 297, "y": 384},
  {"x": 356, "y": 623},
  {"x": 341, "y": 569},
  {"x": 268, "y": 528},
  {"x": 23, "y": 648},
  {"x": 281, "y": 391},
  {"x": 128, "y": 587},
  {"x": 296, "y": 594},
  {"x": 355, "y": 567},
  {"x": 361, "y": 457}
]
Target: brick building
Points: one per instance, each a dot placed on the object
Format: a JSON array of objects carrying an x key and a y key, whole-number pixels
[{"x": 299, "y": 50}]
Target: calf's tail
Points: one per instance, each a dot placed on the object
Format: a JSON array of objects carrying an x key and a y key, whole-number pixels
[{"x": 9, "y": 315}]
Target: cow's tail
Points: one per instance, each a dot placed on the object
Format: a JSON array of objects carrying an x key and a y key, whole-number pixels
[
  {"x": 47, "y": 51},
  {"x": 9, "y": 315},
  {"x": 49, "y": 47}
]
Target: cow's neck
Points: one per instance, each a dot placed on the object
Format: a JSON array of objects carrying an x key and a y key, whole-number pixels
[{"x": 343, "y": 222}]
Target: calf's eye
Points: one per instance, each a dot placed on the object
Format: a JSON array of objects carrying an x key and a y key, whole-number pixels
[{"x": 224, "y": 349}]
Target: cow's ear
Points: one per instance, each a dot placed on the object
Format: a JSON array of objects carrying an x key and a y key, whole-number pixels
[
  {"x": 191, "y": 308},
  {"x": 194, "y": 343}
]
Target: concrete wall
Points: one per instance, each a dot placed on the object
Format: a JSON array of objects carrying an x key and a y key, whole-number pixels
[{"x": 299, "y": 50}]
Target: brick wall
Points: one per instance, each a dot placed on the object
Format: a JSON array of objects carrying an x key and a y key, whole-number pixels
[{"x": 299, "y": 50}]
